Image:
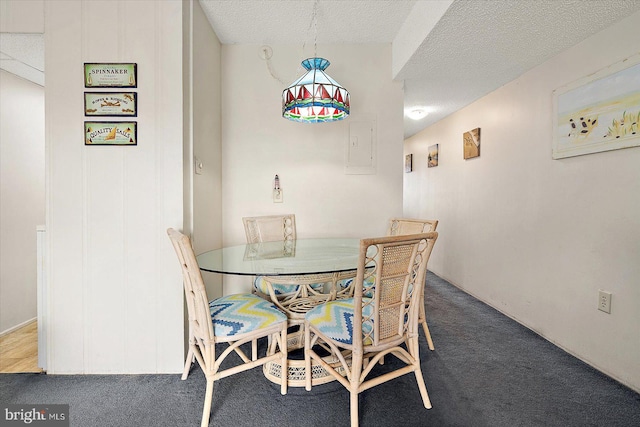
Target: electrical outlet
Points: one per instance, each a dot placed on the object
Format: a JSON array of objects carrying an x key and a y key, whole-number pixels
[{"x": 604, "y": 301}]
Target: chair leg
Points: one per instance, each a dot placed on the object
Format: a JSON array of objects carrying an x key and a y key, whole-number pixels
[
  {"x": 284, "y": 372},
  {"x": 307, "y": 359},
  {"x": 354, "y": 408},
  {"x": 423, "y": 321},
  {"x": 354, "y": 386},
  {"x": 423, "y": 389},
  {"x": 187, "y": 363},
  {"x": 414, "y": 350},
  {"x": 206, "y": 411}
]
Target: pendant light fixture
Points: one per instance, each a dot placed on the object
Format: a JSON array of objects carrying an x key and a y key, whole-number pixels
[{"x": 315, "y": 97}]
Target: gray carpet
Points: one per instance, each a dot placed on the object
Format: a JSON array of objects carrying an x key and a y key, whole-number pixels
[{"x": 486, "y": 370}]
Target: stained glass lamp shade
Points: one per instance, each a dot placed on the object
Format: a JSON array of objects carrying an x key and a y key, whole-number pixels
[{"x": 315, "y": 97}]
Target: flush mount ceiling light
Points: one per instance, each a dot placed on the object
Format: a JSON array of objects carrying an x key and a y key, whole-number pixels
[
  {"x": 315, "y": 97},
  {"x": 417, "y": 113}
]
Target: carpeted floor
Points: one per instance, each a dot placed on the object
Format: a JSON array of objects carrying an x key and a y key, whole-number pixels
[{"x": 486, "y": 370}]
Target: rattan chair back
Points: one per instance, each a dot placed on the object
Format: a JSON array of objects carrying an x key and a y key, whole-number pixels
[
  {"x": 403, "y": 226},
  {"x": 270, "y": 228},
  {"x": 200, "y": 326}
]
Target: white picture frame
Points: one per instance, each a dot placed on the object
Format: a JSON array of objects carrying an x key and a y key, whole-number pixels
[{"x": 599, "y": 112}]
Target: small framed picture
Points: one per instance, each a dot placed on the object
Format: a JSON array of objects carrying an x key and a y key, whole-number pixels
[
  {"x": 432, "y": 157},
  {"x": 110, "y": 75},
  {"x": 408, "y": 163},
  {"x": 110, "y": 104},
  {"x": 471, "y": 143},
  {"x": 110, "y": 133}
]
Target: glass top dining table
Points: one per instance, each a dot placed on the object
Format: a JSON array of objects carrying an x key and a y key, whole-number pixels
[{"x": 290, "y": 257}]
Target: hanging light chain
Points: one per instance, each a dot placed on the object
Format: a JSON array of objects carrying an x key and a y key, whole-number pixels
[
  {"x": 315, "y": 28},
  {"x": 312, "y": 24}
]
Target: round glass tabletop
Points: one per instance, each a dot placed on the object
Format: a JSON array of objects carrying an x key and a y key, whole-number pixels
[{"x": 292, "y": 257}]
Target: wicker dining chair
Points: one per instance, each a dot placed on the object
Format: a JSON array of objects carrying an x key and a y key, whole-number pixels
[
  {"x": 282, "y": 290},
  {"x": 403, "y": 226},
  {"x": 233, "y": 319},
  {"x": 380, "y": 320}
]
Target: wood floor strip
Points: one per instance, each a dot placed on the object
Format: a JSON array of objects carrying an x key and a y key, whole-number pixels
[{"x": 19, "y": 350}]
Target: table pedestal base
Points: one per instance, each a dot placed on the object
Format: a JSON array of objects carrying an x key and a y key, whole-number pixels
[{"x": 297, "y": 372}]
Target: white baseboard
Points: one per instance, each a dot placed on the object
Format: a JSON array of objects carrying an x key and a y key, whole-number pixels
[{"x": 8, "y": 331}]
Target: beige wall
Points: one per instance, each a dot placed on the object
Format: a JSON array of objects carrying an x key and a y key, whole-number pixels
[
  {"x": 115, "y": 295},
  {"x": 203, "y": 137},
  {"x": 20, "y": 16},
  {"x": 21, "y": 196},
  {"x": 537, "y": 238},
  {"x": 257, "y": 144}
]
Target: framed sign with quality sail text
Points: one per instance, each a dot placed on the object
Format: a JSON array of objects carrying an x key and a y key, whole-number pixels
[{"x": 110, "y": 133}]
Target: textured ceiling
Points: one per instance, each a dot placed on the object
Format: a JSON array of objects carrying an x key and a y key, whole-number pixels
[
  {"x": 289, "y": 21},
  {"x": 23, "y": 55},
  {"x": 450, "y": 52},
  {"x": 475, "y": 47}
]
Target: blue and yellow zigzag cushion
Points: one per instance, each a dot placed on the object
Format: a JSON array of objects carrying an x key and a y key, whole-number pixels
[
  {"x": 262, "y": 285},
  {"x": 335, "y": 320},
  {"x": 367, "y": 284},
  {"x": 242, "y": 313}
]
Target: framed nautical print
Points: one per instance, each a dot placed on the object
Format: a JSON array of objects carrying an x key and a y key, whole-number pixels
[
  {"x": 110, "y": 133},
  {"x": 110, "y": 75},
  {"x": 110, "y": 104}
]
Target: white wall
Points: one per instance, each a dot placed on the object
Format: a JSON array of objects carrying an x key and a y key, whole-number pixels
[
  {"x": 534, "y": 237},
  {"x": 207, "y": 142},
  {"x": 21, "y": 196},
  {"x": 20, "y": 16},
  {"x": 114, "y": 283},
  {"x": 258, "y": 143}
]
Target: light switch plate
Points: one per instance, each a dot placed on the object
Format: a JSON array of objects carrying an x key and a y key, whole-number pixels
[
  {"x": 277, "y": 195},
  {"x": 197, "y": 166}
]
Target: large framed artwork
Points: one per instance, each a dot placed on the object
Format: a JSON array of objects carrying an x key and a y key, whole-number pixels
[{"x": 599, "y": 112}]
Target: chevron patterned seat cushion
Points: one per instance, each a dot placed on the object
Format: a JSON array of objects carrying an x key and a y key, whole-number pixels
[
  {"x": 241, "y": 313},
  {"x": 368, "y": 283},
  {"x": 281, "y": 289},
  {"x": 335, "y": 320}
]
